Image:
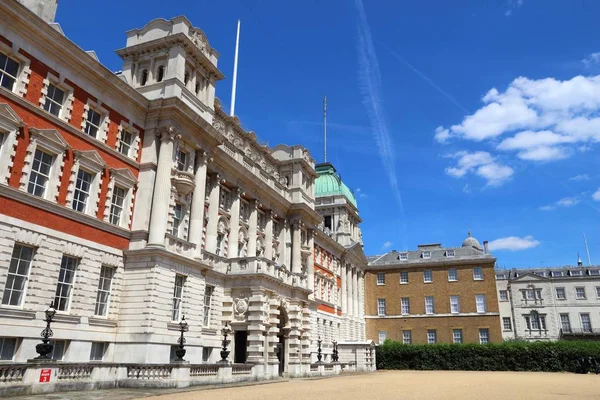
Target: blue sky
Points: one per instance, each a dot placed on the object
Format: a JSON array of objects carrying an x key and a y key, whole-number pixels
[{"x": 443, "y": 116}]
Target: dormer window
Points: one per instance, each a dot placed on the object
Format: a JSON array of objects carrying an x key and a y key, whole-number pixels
[
  {"x": 557, "y": 274},
  {"x": 577, "y": 273},
  {"x": 160, "y": 74},
  {"x": 144, "y": 77},
  {"x": 426, "y": 254},
  {"x": 403, "y": 256},
  {"x": 449, "y": 253}
]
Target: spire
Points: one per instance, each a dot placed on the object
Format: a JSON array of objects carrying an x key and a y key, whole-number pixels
[
  {"x": 579, "y": 262},
  {"x": 469, "y": 233},
  {"x": 325, "y": 129}
]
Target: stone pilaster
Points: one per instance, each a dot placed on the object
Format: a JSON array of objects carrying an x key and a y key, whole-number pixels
[
  {"x": 355, "y": 292},
  {"x": 349, "y": 302},
  {"x": 252, "y": 228},
  {"x": 296, "y": 249},
  {"x": 213, "y": 214},
  {"x": 361, "y": 294},
  {"x": 162, "y": 188},
  {"x": 269, "y": 236},
  {"x": 197, "y": 208},
  {"x": 283, "y": 242},
  {"x": 344, "y": 293},
  {"x": 310, "y": 268},
  {"x": 258, "y": 318},
  {"x": 234, "y": 223}
]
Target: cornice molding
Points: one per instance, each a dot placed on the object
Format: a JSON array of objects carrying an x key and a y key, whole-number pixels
[{"x": 24, "y": 197}]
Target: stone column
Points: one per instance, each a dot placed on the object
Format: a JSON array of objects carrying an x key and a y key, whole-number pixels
[
  {"x": 213, "y": 214},
  {"x": 252, "y": 228},
  {"x": 349, "y": 289},
  {"x": 197, "y": 209},
  {"x": 234, "y": 223},
  {"x": 162, "y": 188},
  {"x": 269, "y": 236},
  {"x": 355, "y": 292},
  {"x": 283, "y": 243},
  {"x": 344, "y": 293},
  {"x": 310, "y": 268},
  {"x": 361, "y": 294},
  {"x": 296, "y": 250}
]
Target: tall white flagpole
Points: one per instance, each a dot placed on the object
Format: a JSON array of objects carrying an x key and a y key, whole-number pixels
[
  {"x": 235, "y": 64},
  {"x": 325, "y": 129}
]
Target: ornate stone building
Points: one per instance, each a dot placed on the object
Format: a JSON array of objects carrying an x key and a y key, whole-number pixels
[{"x": 131, "y": 199}]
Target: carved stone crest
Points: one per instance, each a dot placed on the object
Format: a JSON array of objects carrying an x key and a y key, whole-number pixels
[{"x": 240, "y": 307}]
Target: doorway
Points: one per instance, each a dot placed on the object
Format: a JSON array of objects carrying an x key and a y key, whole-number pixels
[
  {"x": 241, "y": 347},
  {"x": 280, "y": 347}
]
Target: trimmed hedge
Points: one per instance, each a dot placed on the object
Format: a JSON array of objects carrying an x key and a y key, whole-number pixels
[{"x": 560, "y": 356}]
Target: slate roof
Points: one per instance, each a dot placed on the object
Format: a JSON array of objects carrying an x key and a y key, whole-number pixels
[
  {"x": 439, "y": 254},
  {"x": 566, "y": 271}
]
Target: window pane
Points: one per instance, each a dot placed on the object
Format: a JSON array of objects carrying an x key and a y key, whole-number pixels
[
  {"x": 103, "y": 294},
  {"x": 177, "y": 297},
  {"x": 116, "y": 207},
  {"x": 40, "y": 173},
  {"x": 8, "y": 72},
  {"x": 8, "y": 347},
  {"x": 18, "y": 274},
  {"x": 65, "y": 283},
  {"x": 82, "y": 190},
  {"x": 92, "y": 123}
]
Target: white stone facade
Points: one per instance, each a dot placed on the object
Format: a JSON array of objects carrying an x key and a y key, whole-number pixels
[
  {"x": 550, "y": 303},
  {"x": 210, "y": 224}
]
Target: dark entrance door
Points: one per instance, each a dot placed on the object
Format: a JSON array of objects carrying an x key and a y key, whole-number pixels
[
  {"x": 280, "y": 349},
  {"x": 241, "y": 346}
]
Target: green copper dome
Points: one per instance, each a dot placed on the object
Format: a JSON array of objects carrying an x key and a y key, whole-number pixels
[{"x": 329, "y": 183}]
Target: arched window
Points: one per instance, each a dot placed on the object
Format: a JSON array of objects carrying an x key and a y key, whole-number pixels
[
  {"x": 186, "y": 78},
  {"x": 144, "y": 77},
  {"x": 160, "y": 74}
]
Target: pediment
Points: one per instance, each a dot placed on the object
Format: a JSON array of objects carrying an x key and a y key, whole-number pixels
[
  {"x": 357, "y": 250},
  {"x": 50, "y": 137},
  {"x": 9, "y": 118},
  {"x": 124, "y": 175},
  {"x": 90, "y": 158},
  {"x": 530, "y": 276}
]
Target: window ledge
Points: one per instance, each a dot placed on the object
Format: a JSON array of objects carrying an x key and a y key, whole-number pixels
[
  {"x": 67, "y": 319},
  {"x": 16, "y": 313},
  {"x": 209, "y": 332},
  {"x": 64, "y": 211},
  {"x": 99, "y": 321}
]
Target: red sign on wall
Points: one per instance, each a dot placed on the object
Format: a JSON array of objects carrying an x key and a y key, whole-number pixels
[{"x": 45, "y": 375}]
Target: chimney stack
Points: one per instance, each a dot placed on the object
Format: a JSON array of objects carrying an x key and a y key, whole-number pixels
[
  {"x": 485, "y": 247},
  {"x": 45, "y": 9}
]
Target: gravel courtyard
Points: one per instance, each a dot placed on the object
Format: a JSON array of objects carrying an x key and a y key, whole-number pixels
[{"x": 415, "y": 385}]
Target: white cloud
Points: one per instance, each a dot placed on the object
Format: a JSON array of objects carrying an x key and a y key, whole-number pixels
[
  {"x": 579, "y": 178},
  {"x": 536, "y": 119},
  {"x": 512, "y": 5},
  {"x": 386, "y": 244},
  {"x": 591, "y": 60},
  {"x": 596, "y": 195},
  {"x": 482, "y": 164},
  {"x": 564, "y": 202},
  {"x": 513, "y": 243},
  {"x": 441, "y": 134}
]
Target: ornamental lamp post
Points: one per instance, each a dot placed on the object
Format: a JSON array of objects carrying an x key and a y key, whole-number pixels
[
  {"x": 225, "y": 353},
  {"x": 319, "y": 354},
  {"x": 183, "y": 327},
  {"x": 45, "y": 348},
  {"x": 334, "y": 355}
]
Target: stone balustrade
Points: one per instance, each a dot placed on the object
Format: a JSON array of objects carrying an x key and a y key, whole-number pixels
[{"x": 19, "y": 379}]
